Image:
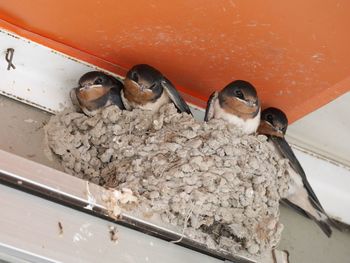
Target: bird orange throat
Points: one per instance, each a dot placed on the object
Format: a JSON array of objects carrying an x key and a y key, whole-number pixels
[
  {"x": 238, "y": 108},
  {"x": 133, "y": 93},
  {"x": 92, "y": 93},
  {"x": 267, "y": 129}
]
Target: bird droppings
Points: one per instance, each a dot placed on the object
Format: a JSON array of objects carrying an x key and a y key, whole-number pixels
[
  {"x": 77, "y": 237},
  {"x": 212, "y": 183},
  {"x": 60, "y": 229},
  {"x": 118, "y": 200},
  {"x": 91, "y": 199},
  {"x": 113, "y": 234},
  {"x": 84, "y": 233}
]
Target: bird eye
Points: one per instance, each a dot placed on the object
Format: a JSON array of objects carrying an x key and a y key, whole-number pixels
[
  {"x": 269, "y": 118},
  {"x": 239, "y": 94},
  {"x": 98, "y": 81},
  {"x": 135, "y": 77}
]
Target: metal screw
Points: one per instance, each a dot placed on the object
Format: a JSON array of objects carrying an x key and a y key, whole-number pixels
[{"x": 9, "y": 57}]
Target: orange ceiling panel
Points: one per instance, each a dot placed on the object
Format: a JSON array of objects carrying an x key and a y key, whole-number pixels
[{"x": 297, "y": 53}]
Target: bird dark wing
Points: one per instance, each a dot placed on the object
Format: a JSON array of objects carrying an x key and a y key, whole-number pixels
[
  {"x": 209, "y": 111},
  {"x": 115, "y": 98},
  {"x": 175, "y": 96},
  {"x": 73, "y": 97},
  {"x": 295, "y": 207},
  {"x": 115, "y": 94},
  {"x": 288, "y": 153},
  {"x": 325, "y": 225}
]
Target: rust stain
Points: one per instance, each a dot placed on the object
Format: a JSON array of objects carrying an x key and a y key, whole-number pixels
[{"x": 60, "y": 228}]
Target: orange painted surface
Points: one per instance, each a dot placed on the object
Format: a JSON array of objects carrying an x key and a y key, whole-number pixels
[{"x": 297, "y": 53}]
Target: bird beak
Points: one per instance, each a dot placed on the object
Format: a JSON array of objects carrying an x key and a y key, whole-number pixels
[
  {"x": 142, "y": 87},
  {"x": 278, "y": 130},
  {"x": 267, "y": 128},
  {"x": 86, "y": 87},
  {"x": 82, "y": 88},
  {"x": 253, "y": 103}
]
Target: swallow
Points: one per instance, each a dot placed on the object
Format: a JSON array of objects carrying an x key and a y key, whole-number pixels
[
  {"x": 300, "y": 195},
  {"x": 237, "y": 103},
  {"x": 96, "y": 90},
  {"x": 146, "y": 88}
]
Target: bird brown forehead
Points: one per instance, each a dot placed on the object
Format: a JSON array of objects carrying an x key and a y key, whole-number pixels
[
  {"x": 266, "y": 129},
  {"x": 133, "y": 93},
  {"x": 92, "y": 93},
  {"x": 234, "y": 106}
]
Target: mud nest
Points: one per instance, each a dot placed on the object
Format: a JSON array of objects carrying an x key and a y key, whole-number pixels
[{"x": 220, "y": 187}]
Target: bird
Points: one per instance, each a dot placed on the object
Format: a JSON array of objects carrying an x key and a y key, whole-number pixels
[
  {"x": 96, "y": 90},
  {"x": 238, "y": 104},
  {"x": 147, "y": 88},
  {"x": 300, "y": 195}
]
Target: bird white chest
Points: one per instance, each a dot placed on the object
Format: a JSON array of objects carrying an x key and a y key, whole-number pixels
[
  {"x": 248, "y": 126},
  {"x": 151, "y": 106}
]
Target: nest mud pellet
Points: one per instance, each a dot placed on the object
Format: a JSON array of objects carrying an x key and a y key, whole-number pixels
[{"x": 219, "y": 186}]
